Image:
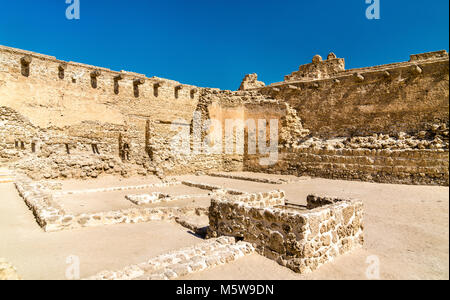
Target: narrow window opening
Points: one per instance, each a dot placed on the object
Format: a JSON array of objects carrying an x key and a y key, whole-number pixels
[
  {"x": 61, "y": 71},
  {"x": 177, "y": 91},
  {"x": 116, "y": 83},
  {"x": 148, "y": 147},
  {"x": 126, "y": 152},
  {"x": 33, "y": 147},
  {"x": 193, "y": 92},
  {"x": 25, "y": 65},
  {"x": 22, "y": 146},
  {"x": 124, "y": 149},
  {"x": 94, "y": 80},
  {"x": 67, "y": 149},
  {"x": 136, "y": 85},
  {"x": 156, "y": 87},
  {"x": 95, "y": 149}
]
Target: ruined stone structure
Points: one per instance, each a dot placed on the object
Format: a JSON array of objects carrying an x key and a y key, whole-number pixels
[
  {"x": 386, "y": 123},
  {"x": 236, "y": 180},
  {"x": 298, "y": 238}
]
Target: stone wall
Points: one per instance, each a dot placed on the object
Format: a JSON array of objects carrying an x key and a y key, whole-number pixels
[
  {"x": 426, "y": 167},
  {"x": 298, "y": 238},
  {"x": 176, "y": 264},
  {"x": 50, "y": 108},
  {"x": 387, "y": 99},
  {"x": 69, "y": 120},
  {"x": 385, "y": 123},
  {"x": 51, "y": 217}
]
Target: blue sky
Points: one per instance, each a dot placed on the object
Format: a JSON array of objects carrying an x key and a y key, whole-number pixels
[{"x": 215, "y": 43}]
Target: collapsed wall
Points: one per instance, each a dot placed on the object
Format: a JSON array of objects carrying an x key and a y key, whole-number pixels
[{"x": 386, "y": 123}]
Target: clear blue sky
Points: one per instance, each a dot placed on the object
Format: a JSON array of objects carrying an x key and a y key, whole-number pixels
[{"x": 214, "y": 43}]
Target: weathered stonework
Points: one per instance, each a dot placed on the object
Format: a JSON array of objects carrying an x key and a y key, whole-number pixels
[
  {"x": 210, "y": 254},
  {"x": 51, "y": 217},
  {"x": 250, "y": 81},
  {"x": 318, "y": 69},
  {"x": 428, "y": 167},
  {"x": 66, "y": 120},
  {"x": 7, "y": 271},
  {"x": 300, "y": 239}
]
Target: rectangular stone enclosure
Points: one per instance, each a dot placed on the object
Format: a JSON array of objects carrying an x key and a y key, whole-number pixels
[{"x": 300, "y": 238}]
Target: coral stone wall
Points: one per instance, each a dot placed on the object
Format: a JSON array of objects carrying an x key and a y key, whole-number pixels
[
  {"x": 299, "y": 239},
  {"x": 385, "y": 123},
  {"x": 55, "y": 113},
  {"x": 426, "y": 167},
  {"x": 64, "y": 99},
  {"x": 384, "y": 99}
]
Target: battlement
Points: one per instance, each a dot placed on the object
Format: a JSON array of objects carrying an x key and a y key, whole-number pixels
[
  {"x": 429, "y": 55},
  {"x": 35, "y": 65},
  {"x": 334, "y": 68}
]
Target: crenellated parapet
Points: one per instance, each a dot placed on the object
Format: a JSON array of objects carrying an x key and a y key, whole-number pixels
[
  {"x": 37, "y": 66},
  {"x": 334, "y": 69}
]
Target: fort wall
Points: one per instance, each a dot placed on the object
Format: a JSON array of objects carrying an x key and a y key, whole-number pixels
[
  {"x": 385, "y": 123},
  {"x": 401, "y": 97}
]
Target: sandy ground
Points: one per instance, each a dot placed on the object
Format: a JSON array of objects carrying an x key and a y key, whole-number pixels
[
  {"x": 40, "y": 255},
  {"x": 406, "y": 228}
]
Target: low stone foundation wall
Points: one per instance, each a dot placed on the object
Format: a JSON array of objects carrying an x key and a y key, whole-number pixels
[
  {"x": 119, "y": 188},
  {"x": 212, "y": 187},
  {"x": 425, "y": 167},
  {"x": 300, "y": 239},
  {"x": 175, "y": 264},
  {"x": 51, "y": 217},
  {"x": 7, "y": 271},
  {"x": 246, "y": 178},
  {"x": 258, "y": 200}
]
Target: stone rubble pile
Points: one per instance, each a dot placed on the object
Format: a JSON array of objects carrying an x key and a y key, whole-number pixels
[{"x": 436, "y": 138}]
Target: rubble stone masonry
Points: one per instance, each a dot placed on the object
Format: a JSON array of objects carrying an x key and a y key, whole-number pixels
[
  {"x": 301, "y": 239},
  {"x": 385, "y": 123}
]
